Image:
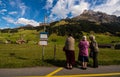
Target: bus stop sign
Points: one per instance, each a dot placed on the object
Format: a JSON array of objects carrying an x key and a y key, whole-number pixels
[{"x": 43, "y": 38}]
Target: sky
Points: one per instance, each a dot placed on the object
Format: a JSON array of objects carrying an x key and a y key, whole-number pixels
[{"x": 16, "y": 13}]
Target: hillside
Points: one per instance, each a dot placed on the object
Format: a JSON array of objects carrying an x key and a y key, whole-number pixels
[{"x": 88, "y": 22}]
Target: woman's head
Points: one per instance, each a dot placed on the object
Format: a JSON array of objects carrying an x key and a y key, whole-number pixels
[
  {"x": 69, "y": 34},
  {"x": 92, "y": 37},
  {"x": 84, "y": 38}
]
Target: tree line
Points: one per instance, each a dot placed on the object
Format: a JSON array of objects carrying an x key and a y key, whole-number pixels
[{"x": 75, "y": 27}]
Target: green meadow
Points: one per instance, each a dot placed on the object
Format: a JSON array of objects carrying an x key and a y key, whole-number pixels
[{"x": 30, "y": 54}]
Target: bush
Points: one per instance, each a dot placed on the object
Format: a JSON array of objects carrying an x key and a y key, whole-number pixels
[{"x": 117, "y": 46}]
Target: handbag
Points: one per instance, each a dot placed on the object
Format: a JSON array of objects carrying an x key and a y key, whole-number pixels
[
  {"x": 91, "y": 54},
  {"x": 64, "y": 48}
]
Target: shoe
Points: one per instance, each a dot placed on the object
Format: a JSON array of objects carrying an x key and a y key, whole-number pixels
[
  {"x": 70, "y": 67},
  {"x": 67, "y": 67},
  {"x": 95, "y": 67},
  {"x": 83, "y": 68}
]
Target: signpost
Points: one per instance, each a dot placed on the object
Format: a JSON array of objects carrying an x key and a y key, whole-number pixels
[{"x": 43, "y": 41}]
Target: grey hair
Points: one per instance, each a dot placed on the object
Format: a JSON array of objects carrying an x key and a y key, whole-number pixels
[
  {"x": 92, "y": 36},
  {"x": 84, "y": 38}
]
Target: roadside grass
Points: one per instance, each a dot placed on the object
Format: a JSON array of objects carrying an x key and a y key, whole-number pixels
[
  {"x": 109, "y": 56},
  {"x": 27, "y": 55},
  {"x": 30, "y": 55}
]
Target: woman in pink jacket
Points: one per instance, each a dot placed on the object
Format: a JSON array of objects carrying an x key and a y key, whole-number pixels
[{"x": 83, "y": 52}]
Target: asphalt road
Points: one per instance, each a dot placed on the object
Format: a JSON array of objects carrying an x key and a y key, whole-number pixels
[{"x": 102, "y": 71}]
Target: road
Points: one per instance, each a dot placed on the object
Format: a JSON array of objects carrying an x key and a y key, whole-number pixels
[{"x": 102, "y": 71}]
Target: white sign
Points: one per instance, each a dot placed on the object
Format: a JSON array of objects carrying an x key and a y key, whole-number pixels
[
  {"x": 42, "y": 42},
  {"x": 43, "y": 36}
]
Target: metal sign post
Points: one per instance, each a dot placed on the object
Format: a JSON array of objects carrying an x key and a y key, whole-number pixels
[
  {"x": 43, "y": 52},
  {"x": 43, "y": 41}
]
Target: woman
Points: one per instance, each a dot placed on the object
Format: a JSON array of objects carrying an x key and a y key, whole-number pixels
[
  {"x": 69, "y": 51},
  {"x": 94, "y": 50},
  {"x": 83, "y": 52}
]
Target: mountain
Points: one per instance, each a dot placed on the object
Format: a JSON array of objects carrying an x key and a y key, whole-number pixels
[
  {"x": 97, "y": 17},
  {"x": 89, "y": 21}
]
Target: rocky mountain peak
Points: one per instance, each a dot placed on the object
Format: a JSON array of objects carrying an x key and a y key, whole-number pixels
[{"x": 97, "y": 17}]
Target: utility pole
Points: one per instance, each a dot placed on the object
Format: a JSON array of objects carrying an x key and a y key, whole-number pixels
[
  {"x": 45, "y": 20},
  {"x": 43, "y": 38}
]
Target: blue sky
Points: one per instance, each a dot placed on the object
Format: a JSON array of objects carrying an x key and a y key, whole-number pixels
[{"x": 15, "y": 13}]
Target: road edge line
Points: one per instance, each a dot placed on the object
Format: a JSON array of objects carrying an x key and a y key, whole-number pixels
[
  {"x": 89, "y": 75},
  {"x": 52, "y": 73}
]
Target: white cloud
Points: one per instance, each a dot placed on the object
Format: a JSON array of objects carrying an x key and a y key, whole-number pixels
[
  {"x": 13, "y": 12},
  {"x": 117, "y": 12},
  {"x": 65, "y": 7},
  {"x": 19, "y": 5},
  {"x": 23, "y": 8},
  {"x": 22, "y": 21},
  {"x": 9, "y": 20},
  {"x": 78, "y": 9},
  {"x": 75, "y": 7},
  {"x": 49, "y": 4},
  {"x": 3, "y": 11},
  {"x": 60, "y": 9},
  {"x": 112, "y": 2},
  {"x": 27, "y": 21},
  {"x": 111, "y": 7}
]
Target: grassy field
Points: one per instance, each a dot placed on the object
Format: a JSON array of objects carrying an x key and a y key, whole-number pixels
[
  {"x": 26, "y": 55},
  {"x": 30, "y": 54}
]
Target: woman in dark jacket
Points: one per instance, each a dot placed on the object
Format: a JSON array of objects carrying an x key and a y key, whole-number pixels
[{"x": 94, "y": 50}]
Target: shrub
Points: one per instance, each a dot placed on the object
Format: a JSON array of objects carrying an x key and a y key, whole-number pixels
[{"x": 117, "y": 46}]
